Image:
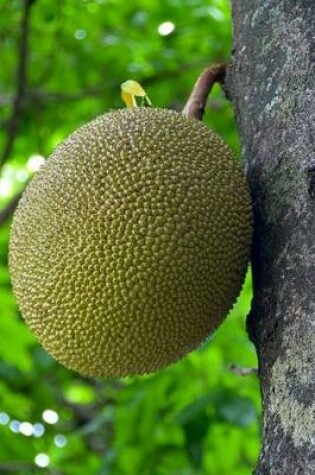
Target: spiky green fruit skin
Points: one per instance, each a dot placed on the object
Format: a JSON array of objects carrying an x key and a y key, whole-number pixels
[{"x": 131, "y": 243}]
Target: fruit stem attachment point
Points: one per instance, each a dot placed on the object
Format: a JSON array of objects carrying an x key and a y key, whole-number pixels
[
  {"x": 130, "y": 90},
  {"x": 197, "y": 100}
]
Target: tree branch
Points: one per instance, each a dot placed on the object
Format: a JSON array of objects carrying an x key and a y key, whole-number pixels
[
  {"x": 240, "y": 371},
  {"x": 24, "y": 467},
  {"x": 14, "y": 467},
  {"x": 21, "y": 83},
  {"x": 196, "y": 103}
]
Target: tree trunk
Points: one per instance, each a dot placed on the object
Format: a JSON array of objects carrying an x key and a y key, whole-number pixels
[{"x": 271, "y": 82}]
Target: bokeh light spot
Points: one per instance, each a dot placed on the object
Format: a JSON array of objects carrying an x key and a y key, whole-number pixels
[
  {"x": 50, "y": 416},
  {"x": 60, "y": 440},
  {"x": 80, "y": 34},
  {"x": 26, "y": 429},
  {"x": 166, "y": 28},
  {"x": 14, "y": 426},
  {"x": 38, "y": 429},
  {"x": 42, "y": 460},
  {"x": 4, "y": 418},
  {"x": 35, "y": 162}
]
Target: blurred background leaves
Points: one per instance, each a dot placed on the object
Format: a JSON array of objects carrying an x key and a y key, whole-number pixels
[{"x": 197, "y": 416}]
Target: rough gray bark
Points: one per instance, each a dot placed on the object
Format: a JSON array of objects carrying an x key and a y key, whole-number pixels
[{"x": 272, "y": 84}]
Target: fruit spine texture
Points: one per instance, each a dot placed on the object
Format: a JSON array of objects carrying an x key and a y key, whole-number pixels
[{"x": 131, "y": 243}]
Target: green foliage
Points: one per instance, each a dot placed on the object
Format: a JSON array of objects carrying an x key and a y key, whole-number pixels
[{"x": 197, "y": 416}]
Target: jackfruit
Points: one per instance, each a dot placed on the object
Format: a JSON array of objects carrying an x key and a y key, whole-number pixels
[{"x": 130, "y": 245}]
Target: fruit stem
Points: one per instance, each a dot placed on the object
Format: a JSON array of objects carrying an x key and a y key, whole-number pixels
[{"x": 195, "y": 106}]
